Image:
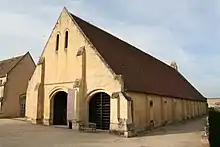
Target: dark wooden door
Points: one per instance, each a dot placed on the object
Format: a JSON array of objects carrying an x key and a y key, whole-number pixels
[
  {"x": 99, "y": 110},
  {"x": 22, "y": 106},
  {"x": 60, "y": 109}
]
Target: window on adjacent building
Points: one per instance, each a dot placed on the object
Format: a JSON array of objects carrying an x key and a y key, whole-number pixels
[
  {"x": 57, "y": 42},
  {"x": 1, "y": 103},
  {"x": 66, "y": 39}
]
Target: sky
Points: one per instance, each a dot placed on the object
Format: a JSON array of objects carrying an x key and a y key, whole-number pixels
[{"x": 184, "y": 31}]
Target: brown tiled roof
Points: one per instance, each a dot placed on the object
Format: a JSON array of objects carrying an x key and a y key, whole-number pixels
[
  {"x": 8, "y": 64},
  {"x": 141, "y": 72}
]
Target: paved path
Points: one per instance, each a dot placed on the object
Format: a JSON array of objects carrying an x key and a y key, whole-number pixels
[{"x": 16, "y": 133}]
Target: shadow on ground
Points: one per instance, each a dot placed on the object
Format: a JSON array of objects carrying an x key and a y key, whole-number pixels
[{"x": 191, "y": 126}]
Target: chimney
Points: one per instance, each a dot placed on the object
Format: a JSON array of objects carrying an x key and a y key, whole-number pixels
[{"x": 174, "y": 65}]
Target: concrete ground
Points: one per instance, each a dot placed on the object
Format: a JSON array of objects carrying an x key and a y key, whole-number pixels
[{"x": 17, "y": 133}]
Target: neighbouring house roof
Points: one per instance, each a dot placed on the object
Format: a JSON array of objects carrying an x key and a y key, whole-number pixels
[
  {"x": 213, "y": 98},
  {"x": 141, "y": 71},
  {"x": 8, "y": 64}
]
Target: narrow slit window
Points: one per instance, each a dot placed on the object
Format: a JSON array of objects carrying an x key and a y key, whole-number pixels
[
  {"x": 66, "y": 39},
  {"x": 151, "y": 103},
  {"x": 57, "y": 42}
]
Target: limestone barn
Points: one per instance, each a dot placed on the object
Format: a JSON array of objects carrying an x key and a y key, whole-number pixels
[
  {"x": 14, "y": 75},
  {"x": 88, "y": 75}
]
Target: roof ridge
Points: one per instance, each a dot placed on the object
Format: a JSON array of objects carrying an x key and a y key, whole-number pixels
[
  {"x": 18, "y": 56},
  {"x": 19, "y": 59},
  {"x": 7, "y": 65}
]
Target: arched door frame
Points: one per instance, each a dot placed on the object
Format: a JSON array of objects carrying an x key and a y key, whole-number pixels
[
  {"x": 89, "y": 97},
  {"x": 93, "y": 92},
  {"x": 53, "y": 93}
]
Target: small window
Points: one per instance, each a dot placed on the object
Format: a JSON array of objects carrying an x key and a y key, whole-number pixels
[
  {"x": 57, "y": 42},
  {"x": 151, "y": 103},
  {"x": 1, "y": 82},
  {"x": 66, "y": 39}
]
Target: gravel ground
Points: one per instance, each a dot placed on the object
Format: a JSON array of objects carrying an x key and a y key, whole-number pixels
[{"x": 17, "y": 133}]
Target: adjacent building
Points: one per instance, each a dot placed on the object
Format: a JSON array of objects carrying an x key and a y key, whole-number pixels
[
  {"x": 14, "y": 76},
  {"x": 213, "y": 102},
  {"x": 89, "y": 75}
]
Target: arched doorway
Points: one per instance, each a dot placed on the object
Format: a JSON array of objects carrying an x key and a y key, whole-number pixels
[
  {"x": 60, "y": 108},
  {"x": 99, "y": 110}
]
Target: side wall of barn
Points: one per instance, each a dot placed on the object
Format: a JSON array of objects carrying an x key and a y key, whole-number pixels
[{"x": 154, "y": 111}]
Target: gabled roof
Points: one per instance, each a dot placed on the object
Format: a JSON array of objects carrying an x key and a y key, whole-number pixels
[
  {"x": 141, "y": 72},
  {"x": 7, "y": 65}
]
